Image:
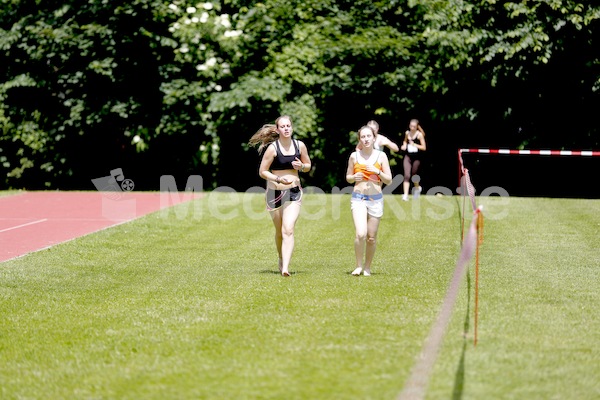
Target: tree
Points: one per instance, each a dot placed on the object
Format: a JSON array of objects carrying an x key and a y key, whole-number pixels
[
  {"x": 180, "y": 87},
  {"x": 81, "y": 91}
]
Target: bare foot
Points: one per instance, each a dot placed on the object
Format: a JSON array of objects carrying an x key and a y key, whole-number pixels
[
  {"x": 285, "y": 273},
  {"x": 357, "y": 271}
]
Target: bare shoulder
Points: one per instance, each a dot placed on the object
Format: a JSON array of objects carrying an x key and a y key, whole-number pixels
[
  {"x": 270, "y": 151},
  {"x": 382, "y": 156},
  {"x": 301, "y": 145}
]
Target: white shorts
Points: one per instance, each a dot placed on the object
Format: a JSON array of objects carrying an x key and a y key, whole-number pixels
[{"x": 373, "y": 203}]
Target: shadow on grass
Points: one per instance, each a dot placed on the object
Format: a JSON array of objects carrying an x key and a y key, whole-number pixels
[
  {"x": 372, "y": 273},
  {"x": 270, "y": 271},
  {"x": 276, "y": 272},
  {"x": 459, "y": 376}
]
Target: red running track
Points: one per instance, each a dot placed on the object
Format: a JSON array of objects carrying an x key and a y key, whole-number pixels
[{"x": 32, "y": 221}]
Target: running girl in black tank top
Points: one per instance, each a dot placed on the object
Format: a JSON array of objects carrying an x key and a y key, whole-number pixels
[{"x": 281, "y": 163}]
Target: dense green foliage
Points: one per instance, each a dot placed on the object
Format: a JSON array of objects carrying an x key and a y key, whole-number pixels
[{"x": 178, "y": 88}]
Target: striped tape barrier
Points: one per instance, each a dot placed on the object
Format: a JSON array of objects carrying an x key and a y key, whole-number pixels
[{"x": 577, "y": 153}]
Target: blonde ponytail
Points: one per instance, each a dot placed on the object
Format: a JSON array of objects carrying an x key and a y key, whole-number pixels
[
  {"x": 264, "y": 137},
  {"x": 267, "y": 134}
]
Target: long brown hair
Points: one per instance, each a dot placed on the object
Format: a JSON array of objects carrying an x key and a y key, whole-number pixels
[{"x": 267, "y": 134}]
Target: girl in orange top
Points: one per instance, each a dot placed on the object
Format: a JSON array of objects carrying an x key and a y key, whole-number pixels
[{"x": 368, "y": 169}]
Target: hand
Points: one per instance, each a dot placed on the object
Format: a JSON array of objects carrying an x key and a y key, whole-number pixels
[
  {"x": 283, "y": 181},
  {"x": 359, "y": 177},
  {"x": 372, "y": 169},
  {"x": 297, "y": 164}
]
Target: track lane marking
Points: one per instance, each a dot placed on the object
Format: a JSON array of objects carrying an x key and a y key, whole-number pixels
[{"x": 24, "y": 225}]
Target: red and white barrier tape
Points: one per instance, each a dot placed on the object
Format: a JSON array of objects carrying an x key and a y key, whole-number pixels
[{"x": 582, "y": 153}]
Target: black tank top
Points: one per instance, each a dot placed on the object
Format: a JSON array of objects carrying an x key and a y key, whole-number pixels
[
  {"x": 282, "y": 161},
  {"x": 416, "y": 140},
  {"x": 417, "y": 155}
]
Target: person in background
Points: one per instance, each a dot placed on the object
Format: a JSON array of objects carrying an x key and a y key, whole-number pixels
[
  {"x": 413, "y": 147},
  {"x": 368, "y": 169},
  {"x": 282, "y": 160},
  {"x": 382, "y": 141}
]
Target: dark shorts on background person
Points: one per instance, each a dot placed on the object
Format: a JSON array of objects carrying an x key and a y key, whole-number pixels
[
  {"x": 276, "y": 198},
  {"x": 410, "y": 165}
]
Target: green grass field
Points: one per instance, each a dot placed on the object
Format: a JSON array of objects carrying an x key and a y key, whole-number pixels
[{"x": 188, "y": 305}]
